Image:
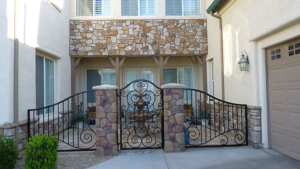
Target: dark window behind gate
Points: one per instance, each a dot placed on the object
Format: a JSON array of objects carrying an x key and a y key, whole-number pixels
[{"x": 141, "y": 107}]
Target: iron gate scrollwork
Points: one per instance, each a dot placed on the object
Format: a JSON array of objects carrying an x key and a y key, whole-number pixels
[
  {"x": 141, "y": 107},
  {"x": 71, "y": 121},
  {"x": 210, "y": 121}
]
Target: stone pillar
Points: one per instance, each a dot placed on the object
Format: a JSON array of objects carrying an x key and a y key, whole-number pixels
[
  {"x": 174, "y": 117},
  {"x": 106, "y": 120},
  {"x": 254, "y": 126}
]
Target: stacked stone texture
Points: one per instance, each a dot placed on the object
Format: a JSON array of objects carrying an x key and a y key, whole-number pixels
[
  {"x": 106, "y": 122},
  {"x": 138, "y": 37},
  {"x": 254, "y": 124},
  {"x": 37, "y": 126},
  {"x": 174, "y": 120},
  {"x": 235, "y": 119},
  {"x": 234, "y": 116}
]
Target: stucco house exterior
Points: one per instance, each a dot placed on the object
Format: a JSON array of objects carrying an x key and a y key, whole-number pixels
[
  {"x": 35, "y": 62},
  {"x": 55, "y": 48},
  {"x": 268, "y": 31}
]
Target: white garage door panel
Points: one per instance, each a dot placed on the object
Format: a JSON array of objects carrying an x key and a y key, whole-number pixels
[
  {"x": 295, "y": 142},
  {"x": 277, "y": 96},
  {"x": 276, "y": 76},
  {"x": 293, "y": 73},
  {"x": 284, "y": 99},
  {"x": 278, "y": 118},
  {"x": 294, "y": 121},
  {"x": 278, "y": 141},
  {"x": 294, "y": 97}
]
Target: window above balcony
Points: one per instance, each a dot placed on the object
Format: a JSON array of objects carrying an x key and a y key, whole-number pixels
[
  {"x": 138, "y": 7},
  {"x": 93, "y": 8},
  {"x": 182, "y": 7},
  {"x": 145, "y": 9}
]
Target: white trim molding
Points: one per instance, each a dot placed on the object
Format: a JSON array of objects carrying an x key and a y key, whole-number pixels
[
  {"x": 105, "y": 87},
  {"x": 173, "y": 86}
]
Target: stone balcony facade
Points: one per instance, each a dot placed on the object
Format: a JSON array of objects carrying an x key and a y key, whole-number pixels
[{"x": 138, "y": 37}]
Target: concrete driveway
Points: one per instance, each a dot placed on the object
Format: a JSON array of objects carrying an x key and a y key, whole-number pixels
[{"x": 204, "y": 158}]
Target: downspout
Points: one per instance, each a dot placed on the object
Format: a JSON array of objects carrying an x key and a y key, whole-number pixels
[
  {"x": 16, "y": 76},
  {"x": 221, "y": 50}
]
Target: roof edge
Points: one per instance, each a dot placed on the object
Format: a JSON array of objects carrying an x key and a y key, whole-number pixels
[{"x": 214, "y": 6}]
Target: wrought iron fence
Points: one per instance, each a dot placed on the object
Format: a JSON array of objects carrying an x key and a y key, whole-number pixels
[
  {"x": 141, "y": 105},
  {"x": 210, "y": 121},
  {"x": 71, "y": 121}
]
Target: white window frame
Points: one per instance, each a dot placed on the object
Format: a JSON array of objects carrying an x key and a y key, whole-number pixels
[
  {"x": 139, "y": 10},
  {"x": 54, "y": 80},
  {"x": 45, "y": 80},
  {"x": 182, "y": 10},
  {"x": 111, "y": 12}
]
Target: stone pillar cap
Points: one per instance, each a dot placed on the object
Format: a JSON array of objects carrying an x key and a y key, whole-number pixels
[
  {"x": 173, "y": 86},
  {"x": 105, "y": 87}
]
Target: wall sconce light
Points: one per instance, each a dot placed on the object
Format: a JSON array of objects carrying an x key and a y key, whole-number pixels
[{"x": 244, "y": 62}]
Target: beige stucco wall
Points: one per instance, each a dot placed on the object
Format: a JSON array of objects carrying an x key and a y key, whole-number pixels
[
  {"x": 42, "y": 28},
  {"x": 116, "y": 12},
  {"x": 251, "y": 26},
  {"x": 133, "y": 63},
  {"x": 6, "y": 60}
]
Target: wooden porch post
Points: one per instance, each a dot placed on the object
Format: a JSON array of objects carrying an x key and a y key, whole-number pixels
[
  {"x": 205, "y": 73},
  {"x": 73, "y": 80},
  {"x": 161, "y": 70},
  {"x": 202, "y": 61},
  {"x": 117, "y": 64},
  {"x": 118, "y": 72},
  {"x": 73, "y": 69},
  {"x": 161, "y": 63},
  {"x": 72, "y": 76}
]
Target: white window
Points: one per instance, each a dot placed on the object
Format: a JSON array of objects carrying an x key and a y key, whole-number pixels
[
  {"x": 44, "y": 83},
  {"x": 182, "y": 7},
  {"x": 138, "y": 7},
  {"x": 93, "y": 8},
  {"x": 96, "y": 77}
]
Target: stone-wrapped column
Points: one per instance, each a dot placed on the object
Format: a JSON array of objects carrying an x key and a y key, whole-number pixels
[
  {"x": 174, "y": 117},
  {"x": 254, "y": 125},
  {"x": 106, "y": 120}
]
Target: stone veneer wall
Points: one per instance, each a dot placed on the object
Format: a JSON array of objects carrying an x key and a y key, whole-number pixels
[
  {"x": 106, "y": 122},
  {"x": 36, "y": 127},
  {"x": 235, "y": 118},
  {"x": 174, "y": 120},
  {"x": 138, "y": 37},
  {"x": 254, "y": 124}
]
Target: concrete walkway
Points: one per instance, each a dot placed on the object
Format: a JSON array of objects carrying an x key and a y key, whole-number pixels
[{"x": 196, "y": 158}]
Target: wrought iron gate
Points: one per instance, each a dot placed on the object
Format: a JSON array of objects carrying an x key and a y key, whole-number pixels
[
  {"x": 71, "y": 121},
  {"x": 141, "y": 120},
  {"x": 213, "y": 122}
]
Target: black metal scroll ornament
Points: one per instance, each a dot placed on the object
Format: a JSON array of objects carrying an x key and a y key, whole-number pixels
[{"x": 140, "y": 125}]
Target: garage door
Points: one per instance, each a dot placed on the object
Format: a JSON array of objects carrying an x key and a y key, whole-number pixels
[{"x": 283, "y": 62}]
